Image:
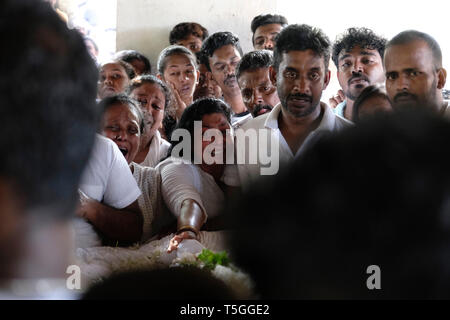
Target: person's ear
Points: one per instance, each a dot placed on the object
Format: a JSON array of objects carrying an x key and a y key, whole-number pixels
[
  {"x": 198, "y": 78},
  {"x": 327, "y": 79},
  {"x": 273, "y": 75},
  {"x": 442, "y": 77},
  {"x": 160, "y": 77}
]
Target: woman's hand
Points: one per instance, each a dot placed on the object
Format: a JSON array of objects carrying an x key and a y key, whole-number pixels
[
  {"x": 336, "y": 99},
  {"x": 87, "y": 208},
  {"x": 181, "y": 105},
  {"x": 176, "y": 240}
]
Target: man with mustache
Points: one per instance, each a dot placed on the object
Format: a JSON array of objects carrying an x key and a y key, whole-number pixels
[
  {"x": 357, "y": 55},
  {"x": 258, "y": 92},
  {"x": 414, "y": 73},
  {"x": 207, "y": 87},
  {"x": 300, "y": 74},
  {"x": 221, "y": 53}
]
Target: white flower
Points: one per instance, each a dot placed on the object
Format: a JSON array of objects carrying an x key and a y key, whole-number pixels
[
  {"x": 239, "y": 282},
  {"x": 184, "y": 258}
]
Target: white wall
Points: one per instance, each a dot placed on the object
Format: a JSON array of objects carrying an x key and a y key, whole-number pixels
[
  {"x": 385, "y": 17},
  {"x": 144, "y": 25}
]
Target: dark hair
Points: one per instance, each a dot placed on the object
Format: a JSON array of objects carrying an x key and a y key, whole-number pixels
[
  {"x": 172, "y": 51},
  {"x": 362, "y": 37},
  {"x": 168, "y": 121},
  {"x": 130, "y": 55},
  {"x": 391, "y": 210},
  {"x": 367, "y": 93},
  {"x": 300, "y": 38},
  {"x": 169, "y": 124},
  {"x": 216, "y": 41},
  {"x": 121, "y": 98},
  {"x": 151, "y": 79},
  {"x": 195, "y": 112},
  {"x": 129, "y": 70},
  {"x": 184, "y": 29},
  {"x": 199, "y": 56},
  {"x": 91, "y": 41},
  {"x": 409, "y": 36},
  {"x": 262, "y": 20},
  {"x": 254, "y": 60},
  {"x": 48, "y": 107}
]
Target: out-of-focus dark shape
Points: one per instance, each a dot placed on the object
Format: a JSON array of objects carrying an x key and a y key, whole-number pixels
[
  {"x": 49, "y": 118},
  {"x": 312, "y": 232}
]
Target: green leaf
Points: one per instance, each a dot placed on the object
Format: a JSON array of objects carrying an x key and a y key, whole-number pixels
[{"x": 211, "y": 259}]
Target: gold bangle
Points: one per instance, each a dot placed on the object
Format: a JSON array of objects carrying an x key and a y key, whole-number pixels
[{"x": 187, "y": 228}]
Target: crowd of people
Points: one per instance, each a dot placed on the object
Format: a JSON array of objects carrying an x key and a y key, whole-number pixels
[{"x": 212, "y": 138}]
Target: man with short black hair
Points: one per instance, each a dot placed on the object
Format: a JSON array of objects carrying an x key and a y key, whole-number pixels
[
  {"x": 221, "y": 53},
  {"x": 358, "y": 56},
  {"x": 258, "y": 92},
  {"x": 300, "y": 73},
  {"x": 414, "y": 72},
  {"x": 189, "y": 34},
  {"x": 265, "y": 28},
  {"x": 207, "y": 87}
]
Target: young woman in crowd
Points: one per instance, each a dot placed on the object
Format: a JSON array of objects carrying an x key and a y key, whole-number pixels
[
  {"x": 123, "y": 122},
  {"x": 177, "y": 67},
  {"x": 114, "y": 78},
  {"x": 153, "y": 96},
  {"x": 196, "y": 182}
]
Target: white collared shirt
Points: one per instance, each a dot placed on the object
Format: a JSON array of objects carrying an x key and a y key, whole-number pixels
[
  {"x": 330, "y": 122},
  {"x": 159, "y": 148},
  {"x": 237, "y": 122}
]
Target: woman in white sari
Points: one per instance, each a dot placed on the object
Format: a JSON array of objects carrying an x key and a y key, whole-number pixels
[
  {"x": 196, "y": 184},
  {"x": 123, "y": 122}
]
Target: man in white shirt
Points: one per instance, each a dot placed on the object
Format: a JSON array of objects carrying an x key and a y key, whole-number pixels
[
  {"x": 221, "y": 53},
  {"x": 112, "y": 192},
  {"x": 300, "y": 72},
  {"x": 358, "y": 57}
]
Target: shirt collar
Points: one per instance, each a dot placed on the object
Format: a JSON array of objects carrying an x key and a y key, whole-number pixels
[
  {"x": 340, "y": 108},
  {"x": 272, "y": 119},
  {"x": 326, "y": 123}
]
